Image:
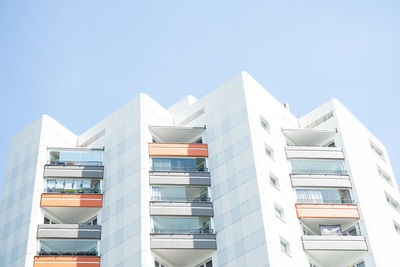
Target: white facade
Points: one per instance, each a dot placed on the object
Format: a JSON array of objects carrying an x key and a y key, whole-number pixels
[{"x": 257, "y": 215}]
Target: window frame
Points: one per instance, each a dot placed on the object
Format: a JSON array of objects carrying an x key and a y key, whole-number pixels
[
  {"x": 286, "y": 244},
  {"x": 273, "y": 177},
  {"x": 378, "y": 151},
  {"x": 279, "y": 212},
  {"x": 269, "y": 152},
  {"x": 265, "y": 124}
]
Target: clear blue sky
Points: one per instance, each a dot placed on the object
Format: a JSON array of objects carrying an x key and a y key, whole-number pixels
[{"x": 80, "y": 60}]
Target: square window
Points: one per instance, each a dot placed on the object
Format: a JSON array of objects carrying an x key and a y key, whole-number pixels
[
  {"x": 392, "y": 202},
  {"x": 377, "y": 150},
  {"x": 274, "y": 180},
  {"x": 265, "y": 124},
  {"x": 396, "y": 227},
  {"x": 358, "y": 264},
  {"x": 285, "y": 246},
  {"x": 269, "y": 152},
  {"x": 384, "y": 175},
  {"x": 279, "y": 212}
]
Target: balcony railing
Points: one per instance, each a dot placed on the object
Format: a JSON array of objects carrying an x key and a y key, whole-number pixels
[
  {"x": 181, "y": 199},
  {"x": 72, "y": 191},
  {"x": 180, "y": 169},
  {"x": 325, "y": 201},
  {"x": 83, "y": 163},
  {"x": 320, "y": 172},
  {"x": 182, "y": 231},
  {"x": 67, "y": 253}
]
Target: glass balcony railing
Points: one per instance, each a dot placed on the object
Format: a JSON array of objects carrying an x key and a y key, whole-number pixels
[
  {"x": 73, "y": 186},
  {"x": 180, "y": 193},
  {"x": 181, "y": 199},
  {"x": 179, "y": 169},
  {"x": 182, "y": 224},
  {"x": 63, "y": 247},
  {"x": 318, "y": 166},
  {"x": 87, "y": 158},
  {"x": 324, "y": 196},
  {"x": 179, "y": 164},
  {"x": 182, "y": 231},
  {"x": 325, "y": 201},
  {"x": 76, "y": 162},
  {"x": 318, "y": 171}
]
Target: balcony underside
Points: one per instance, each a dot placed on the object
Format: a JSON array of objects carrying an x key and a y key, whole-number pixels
[
  {"x": 73, "y": 171},
  {"x": 315, "y": 180},
  {"x": 177, "y": 134},
  {"x": 179, "y": 178},
  {"x": 67, "y": 231},
  {"x": 183, "y": 257},
  {"x": 183, "y": 249},
  {"x": 335, "y": 251},
  {"x": 66, "y": 261},
  {"x": 181, "y": 208},
  {"x": 309, "y": 137},
  {"x": 71, "y": 215}
]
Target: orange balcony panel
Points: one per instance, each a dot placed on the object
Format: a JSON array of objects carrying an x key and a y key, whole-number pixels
[
  {"x": 66, "y": 261},
  {"x": 72, "y": 200},
  {"x": 178, "y": 150},
  {"x": 346, "y": 211}
]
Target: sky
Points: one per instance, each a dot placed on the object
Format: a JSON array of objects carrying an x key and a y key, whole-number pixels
[{"x": 78, "y": 61}]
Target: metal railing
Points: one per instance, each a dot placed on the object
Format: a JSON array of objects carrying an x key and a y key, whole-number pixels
[
  {"x": 67, "y": 253},
  {"x": 321, "y": 172},
  {"x": 324, "y": 201},
  {"x": 75, "y": 162},
  {"x": 180, "y": 169},
  {"x": 72, "y": 191},
  {"x": 181, "y": 199},
  {"x": 182, "y": 231}
]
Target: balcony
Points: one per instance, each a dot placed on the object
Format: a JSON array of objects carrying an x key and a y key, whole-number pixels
[
  {"x": 178, "y": 150},
  {"x": 313, "y": 152},
  {"x": 333, "y": 250},
  {"x": 181, "y": 208},
  {"x": 73, "y": 171},
  {"x": 66, "y": 261},
  {"x": 68, "y": 231}
]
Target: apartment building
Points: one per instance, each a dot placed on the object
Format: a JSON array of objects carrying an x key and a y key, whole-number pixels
[{"x": 231, "y": 179}]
